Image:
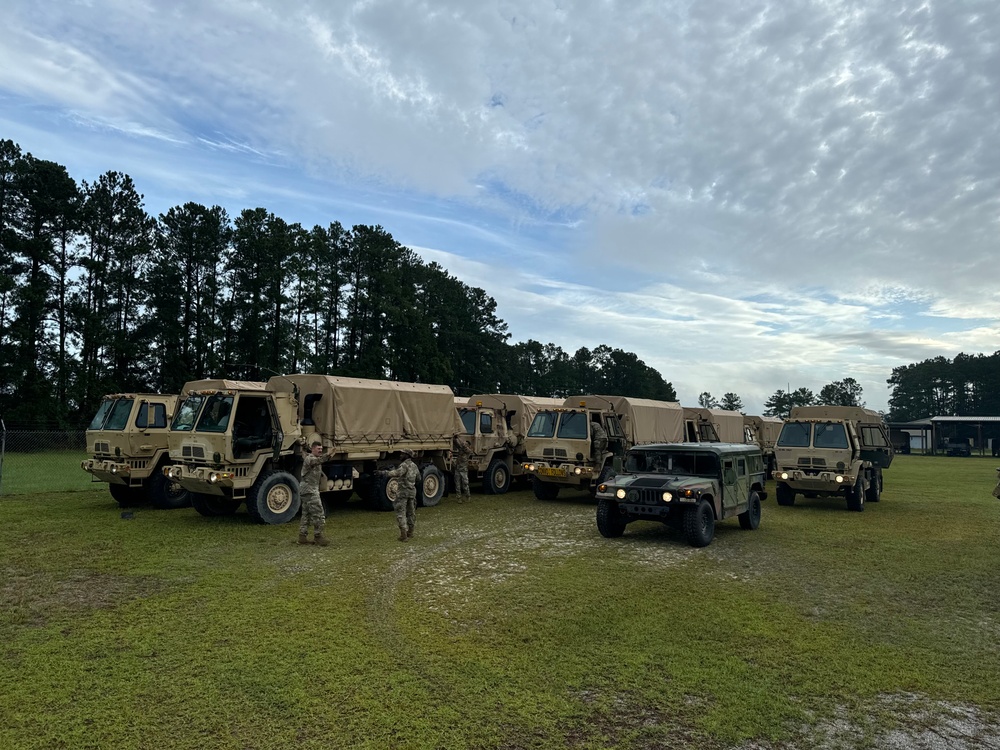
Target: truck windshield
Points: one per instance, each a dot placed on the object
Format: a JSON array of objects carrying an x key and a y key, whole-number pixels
[
  {"x": 543, "y": 425},
  {"x": 829, "y": 435},
  {"x": 118, "y": 416},
  {"x": 573, "y": 426},
  {"x": 102, "y": 414},
  {"x": 188, "y": 413},
  {"x": 215, "y": 415},
  {"x": 795, "y": 435},
  {"x": 469, "y": 420}
]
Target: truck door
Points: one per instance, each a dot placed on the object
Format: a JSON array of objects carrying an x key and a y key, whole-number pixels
[{"x": 875, "y": 445}]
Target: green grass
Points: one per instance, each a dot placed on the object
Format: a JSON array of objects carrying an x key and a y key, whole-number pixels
[
  {"x": 505, "y": 623},
  {"x": 48, "y": 471}
]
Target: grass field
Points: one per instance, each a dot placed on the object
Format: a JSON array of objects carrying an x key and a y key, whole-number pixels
[
  {"x": 507, "y": 623},
  {"x": 49, "y": 471}
]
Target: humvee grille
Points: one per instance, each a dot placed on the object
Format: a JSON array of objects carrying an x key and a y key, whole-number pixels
[
  {"x": 102, "y": 447},
  {"x": 193, "y": 451},
  {"x": 643, "y": 496},
  {"x": 554, "y": 452}
]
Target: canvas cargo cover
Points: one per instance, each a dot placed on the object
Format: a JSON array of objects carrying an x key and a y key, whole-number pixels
[
  {"x": 846, "y": 413},
  {"x": 644, "y": 420},
  {"x": 728, "y": 424},
  {"x": 353, "y": 410},
  {"x": 524, "y": 408},
  {"x": 221, "y": 384}
]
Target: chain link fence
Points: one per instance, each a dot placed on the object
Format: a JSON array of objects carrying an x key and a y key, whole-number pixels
[{"x": 42, "y": 461}]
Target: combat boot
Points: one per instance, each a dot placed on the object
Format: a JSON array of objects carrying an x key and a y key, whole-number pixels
[
  {"x": 402, "y": 534},
  {"x": 304, "y": 538},
  {"x": 321, "y": 540},
  {"x": 409, "y": 532}
]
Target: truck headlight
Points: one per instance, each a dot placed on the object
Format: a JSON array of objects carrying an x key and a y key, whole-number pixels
[
  {"x": 620, "y": 494},
  {"x": 578, "y": 471},
  {"x": 839, "y": 479},
  {"x": 213, "y": 478},
  {"x": 784, "y": 475}
]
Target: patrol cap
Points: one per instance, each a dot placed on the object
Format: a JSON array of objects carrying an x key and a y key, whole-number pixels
[{"x": 406, "y": 452}]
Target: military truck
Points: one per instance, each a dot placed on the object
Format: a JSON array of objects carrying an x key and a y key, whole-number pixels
[
  {"x": 496, "y": 426},
  {"x": 246, "y": 446},
  {"x": 559, "y": 442},
  {"x": 703, "y": 425},
  {"x": 688, "y": 485},
  {"x": 764, "y": 432},
  {"x": 127, "y": 442},
  {"x": 832, "y": 451}
]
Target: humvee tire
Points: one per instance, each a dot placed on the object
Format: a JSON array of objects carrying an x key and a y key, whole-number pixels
[
  {"x": 274, "y": 498},
  {"x": 610, "y": 521},
  {"x": 784, "y": 494},
  {"x": 750, "y": 518},
  {"x": 699, "y": 524},
  {"x": 431, "y": 487},
  {"x": 212, "y": 506},
  {"x": 166, "y": 494},
  {"x": 126, "y": 497},
  {"x": 856, "y": 496},
  {"x": 544, "y": 490},
  {"x": 496, "y": 480}
]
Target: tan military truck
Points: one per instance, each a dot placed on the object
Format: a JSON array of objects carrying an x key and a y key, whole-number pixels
[
  {"x": 496, "y": 426},
  {"x": 703, "y": 425},
  {"x": 246, "y": 446},
  {"x": 127, "y": 443},
  {"x": 764, "y": 432},
  {"x": 559, "y": 442},
  {"x": 832, "y": 451}
]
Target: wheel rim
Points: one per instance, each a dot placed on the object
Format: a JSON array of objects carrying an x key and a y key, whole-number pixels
[
  {"x": 392, "y": 489},
  {"x": 279, "y": 498},
  {"x": 499, "y": 476},
  {"x": 432, "y": 484},
  {"x": 174, "y": 490}
]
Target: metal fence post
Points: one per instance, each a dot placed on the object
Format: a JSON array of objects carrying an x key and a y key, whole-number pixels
[{"x": 3, "y": 450}]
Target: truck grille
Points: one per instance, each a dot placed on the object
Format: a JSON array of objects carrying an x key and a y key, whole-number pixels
[
  {"x": 102, "y": 447},
  {"x": 807, "y": 461},
  {"x": 554, "y": 452},
  {"x": 193, "y": 451},
  {"x": 138, "y": 464}
]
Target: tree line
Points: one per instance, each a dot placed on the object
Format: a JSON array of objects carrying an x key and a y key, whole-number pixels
[
  {"x": 966, "y": 386},
  {"x": 97, "y": 296}
]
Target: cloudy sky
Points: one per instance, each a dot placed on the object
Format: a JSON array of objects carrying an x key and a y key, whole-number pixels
[{"x": 749, "y": 195}]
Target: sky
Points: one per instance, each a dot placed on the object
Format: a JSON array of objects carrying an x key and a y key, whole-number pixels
[{"x": 750, "y": 196}]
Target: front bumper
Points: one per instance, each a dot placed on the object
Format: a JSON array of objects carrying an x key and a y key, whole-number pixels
[
  {"x": 822, "y": 481},
  {"x": 112, "y": 472},
  {"x": 202, "y": 479},
  {"x": 560, "y": 473}
]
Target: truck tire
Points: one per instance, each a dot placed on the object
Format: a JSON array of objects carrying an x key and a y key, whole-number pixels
[
  {"x": 784, "y": 494},
  {"x": 383, "y": 492},
  {"x": 750, "y": 518},
  {"x": 167, "y": 494},
  {"x": 544, "y": 490},
  {"x": 856, "y": 496},
  {"x": 213, "y": 506},
  {"x": 432, "y": 486},
  {"x": 699, "y": 524},
  {"x": 126, "y": 497},
  {"x": 610, "y": 521},
  {"x": 496, "y": 480},
  {"x": 274, "y": 498},
  {"x": 874, "y": 493}
]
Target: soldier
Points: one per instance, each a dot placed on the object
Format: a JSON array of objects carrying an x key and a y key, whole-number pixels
[
  {"x": 405, "y": 503},
  {"x": 598, "y": 441},
  {"x": 312, "y": 506},
  {"x": 462, "y": 451}
]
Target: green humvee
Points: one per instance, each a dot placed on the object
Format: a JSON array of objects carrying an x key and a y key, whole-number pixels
[{"x": 687, "y": 485}]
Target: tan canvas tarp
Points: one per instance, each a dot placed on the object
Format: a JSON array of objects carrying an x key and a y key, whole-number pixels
[
  {"x": 728, "y": 424},
  {"x": 644, "y": 420},
  {"x": 356, "y": 410},
  {"x": 221, "y": 384},
  {"x": 765, "y": 429},
  {"x": 524, "y": 408},
  {"x": 847, "y": 413}
]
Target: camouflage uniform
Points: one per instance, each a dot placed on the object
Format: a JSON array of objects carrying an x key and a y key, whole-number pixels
[
  {"x": 405, "y": 503},
  {"x": 598, "y": 441},
  {"x": 312, "y": 505},
  {"x": 462, "y": 452}
]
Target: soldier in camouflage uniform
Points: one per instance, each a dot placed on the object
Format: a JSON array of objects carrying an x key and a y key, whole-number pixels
[
  {"x": 407, "y": 474},
  {"x": 312, "y": 506},
  {"x": 598, "y": 441},
  {"x": 461, "y": 453}
]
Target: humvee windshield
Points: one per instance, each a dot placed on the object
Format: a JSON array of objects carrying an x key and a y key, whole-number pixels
[
  {"x": 215, "y": 415},
  {"x": 824, "y": 435},
  {"x": 543, "y": 425},
  {"x": 188, "y": 413},
  {"x": 672, "y": 462},
  {"x": 112, "y": 414},
  {"x": 469, "y": 420}
]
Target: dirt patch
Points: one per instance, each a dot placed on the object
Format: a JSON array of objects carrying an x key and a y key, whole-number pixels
[{"x": 36, "y": 595}]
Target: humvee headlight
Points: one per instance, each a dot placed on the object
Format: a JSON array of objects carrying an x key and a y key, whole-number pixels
[
  {"x": 620, "y": 494},
  {"x": 839, "y": 479},
  {"x": 688, "y": 493},
  {"x": 784, "y": 475},
  {"x": 602, "y": 488},
  {"x": 667, "y": 497}
]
